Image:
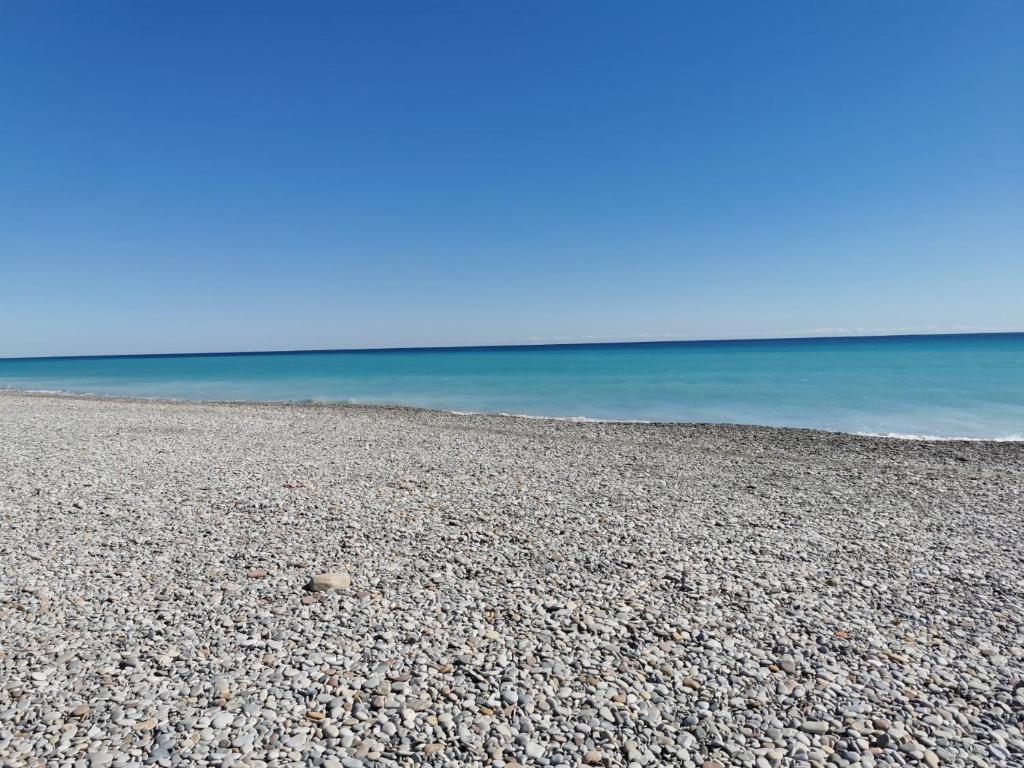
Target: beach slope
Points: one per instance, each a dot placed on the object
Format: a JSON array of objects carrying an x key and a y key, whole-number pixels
[{"x": 518, "y": 591}]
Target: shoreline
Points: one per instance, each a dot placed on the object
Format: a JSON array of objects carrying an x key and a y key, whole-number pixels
[{"x": 489, "y": 414}]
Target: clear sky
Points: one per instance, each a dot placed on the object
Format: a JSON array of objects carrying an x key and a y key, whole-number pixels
[{"x": 195, "y": 176}]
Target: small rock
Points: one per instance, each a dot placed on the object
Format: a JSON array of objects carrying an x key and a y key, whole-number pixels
[
  {"x": 814, "y": 726},
  {"x": 325, "y": 582}
]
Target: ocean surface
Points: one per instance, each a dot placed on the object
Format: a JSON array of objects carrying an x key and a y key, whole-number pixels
[{"x": 928, "y": 386}]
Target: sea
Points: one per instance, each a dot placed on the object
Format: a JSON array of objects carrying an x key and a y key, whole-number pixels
[{"x": 923, "y": 386}]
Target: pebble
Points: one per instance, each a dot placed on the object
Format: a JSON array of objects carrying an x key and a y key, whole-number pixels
[
  {"x": 325, "y": 582},
  {"x": 815, "y": 726}
]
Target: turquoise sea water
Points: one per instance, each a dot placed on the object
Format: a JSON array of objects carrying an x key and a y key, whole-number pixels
[{"x": 937, "y": 386}]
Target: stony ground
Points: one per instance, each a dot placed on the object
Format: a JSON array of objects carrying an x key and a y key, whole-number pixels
[{"x": 522, "y": 592}]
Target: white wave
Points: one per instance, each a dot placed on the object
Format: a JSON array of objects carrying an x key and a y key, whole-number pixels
[
  {"x": 576, "y": 419},
  {"x": 61, "y": 392},
  {"x": 535, "y": 417},
  {"x": 943, "y": 439}
]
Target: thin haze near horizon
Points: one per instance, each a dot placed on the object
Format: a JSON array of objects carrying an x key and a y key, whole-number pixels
[{"x": 194, "y": 177}]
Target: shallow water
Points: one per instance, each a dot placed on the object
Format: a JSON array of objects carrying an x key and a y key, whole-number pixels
[{"x": 935, "y": 386}]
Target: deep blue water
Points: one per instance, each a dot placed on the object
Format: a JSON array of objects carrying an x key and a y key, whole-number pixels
[{"x": 940, "y": 386}]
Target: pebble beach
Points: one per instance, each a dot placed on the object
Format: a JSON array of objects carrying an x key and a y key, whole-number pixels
[{"x": 243, "y": 584}]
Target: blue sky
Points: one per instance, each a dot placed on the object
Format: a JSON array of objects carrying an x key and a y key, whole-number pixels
[{"x": 182, "y": 176}]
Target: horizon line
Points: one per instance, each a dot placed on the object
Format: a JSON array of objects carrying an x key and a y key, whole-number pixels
[{"x": 523, "y": 345}]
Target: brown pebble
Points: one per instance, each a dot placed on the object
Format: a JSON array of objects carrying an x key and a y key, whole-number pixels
[
  {"x": 314, "y": 715},
  {"x": 257, "y": 574},
  {"x": 81, "y": 710},
  {"x": 431, "y": 749},
  {"x": 145, "y": 725}
]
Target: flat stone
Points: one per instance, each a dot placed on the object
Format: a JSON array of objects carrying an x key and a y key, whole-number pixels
[
  {"x": 326, "y": 582},
  {"x": 815, "y": 726}
]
